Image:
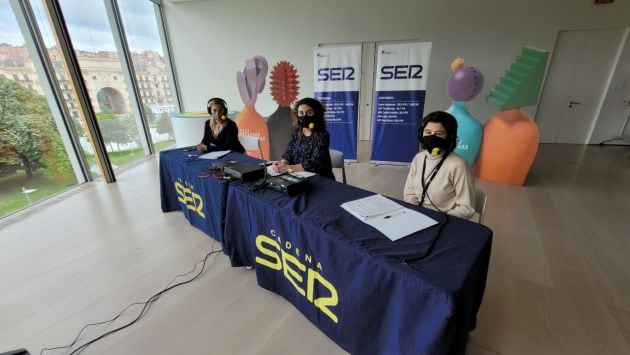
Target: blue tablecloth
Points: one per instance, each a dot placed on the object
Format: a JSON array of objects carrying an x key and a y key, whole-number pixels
[
  {"x": 185, "y": 186},
  {"x": 351, "y": 281}
]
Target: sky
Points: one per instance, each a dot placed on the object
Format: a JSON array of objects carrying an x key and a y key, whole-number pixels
[{"x": 88, "y": 25}]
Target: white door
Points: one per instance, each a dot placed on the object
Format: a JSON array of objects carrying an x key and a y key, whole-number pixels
[{"x": 579, "y": 73}]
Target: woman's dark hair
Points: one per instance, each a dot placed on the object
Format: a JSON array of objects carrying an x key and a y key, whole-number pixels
[
  {"x": 318, "y": 109},
  {"x": 448, "y": 122}
]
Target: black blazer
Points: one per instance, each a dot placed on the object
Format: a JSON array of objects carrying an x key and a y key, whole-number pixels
[{"x": 226, "y": 140}]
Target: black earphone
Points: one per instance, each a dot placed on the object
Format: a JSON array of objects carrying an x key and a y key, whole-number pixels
[
  {"x": 220, "y": 101},
  {"x": 420, "y": 132}
]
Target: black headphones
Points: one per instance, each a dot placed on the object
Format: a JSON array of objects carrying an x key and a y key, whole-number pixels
[{"x": 220, "y": 101}]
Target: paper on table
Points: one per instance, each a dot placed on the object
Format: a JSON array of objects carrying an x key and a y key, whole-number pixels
[
  {"x": 303, "y": 174},
  {"x": 270, "y": 171},
  {"x": 215, "y": 155},
  {"x": 388, "y": 217},
  {"x": 400, "y": 223},
  {"x": 371, "y": 206}
]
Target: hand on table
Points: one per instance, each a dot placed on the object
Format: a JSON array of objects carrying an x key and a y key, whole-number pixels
[
  {"x": 202, "y": 147},
  {"x": 281, "y": 166}
]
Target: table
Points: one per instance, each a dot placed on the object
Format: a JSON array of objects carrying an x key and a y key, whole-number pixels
[
  {"x": 185, "y": 186},
  {"x": 351, "y": 281}
]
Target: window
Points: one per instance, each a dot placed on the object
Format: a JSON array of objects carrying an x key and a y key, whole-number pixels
[
  {"x": 113, "y": 102},
  {"x": 34, "y": 161},
  {"x": 47, "y": 171}
]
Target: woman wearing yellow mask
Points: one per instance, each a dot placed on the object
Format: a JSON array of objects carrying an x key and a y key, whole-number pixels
[
  {"x": 439, "y": 178},
  {"x": 309, "y": 145}
]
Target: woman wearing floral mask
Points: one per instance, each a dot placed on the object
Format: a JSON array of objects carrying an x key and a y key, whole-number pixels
[
  {"x": 439, "y": 178},
  {"x": 220, "y": 132},
  {"x": 309, "y": 145}
]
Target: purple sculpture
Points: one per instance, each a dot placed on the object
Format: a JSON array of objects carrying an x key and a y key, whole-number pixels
[{"x": 464, "y": 83}]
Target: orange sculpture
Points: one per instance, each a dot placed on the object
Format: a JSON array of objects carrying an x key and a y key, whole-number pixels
[
  {"x": 251, "y": 82},
  {"x": 510, "y": 137},
  {"x": 509, "y": 147}
]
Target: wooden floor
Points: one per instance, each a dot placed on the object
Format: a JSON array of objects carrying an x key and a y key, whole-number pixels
[{"x": 559, "y": 278}]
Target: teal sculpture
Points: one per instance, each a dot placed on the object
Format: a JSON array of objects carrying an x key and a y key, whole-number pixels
[{"x": 463, "y": 85}]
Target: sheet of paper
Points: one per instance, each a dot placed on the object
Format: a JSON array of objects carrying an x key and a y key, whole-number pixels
[
  {"x": 401, "y": 223},
  {"x": 303, "y": 174},
  {"x": 270, "y": 171},
  {"x": 371, "y": 206},
  {"x": 388, "y": 217},
  {"x": 215, "y": 155}
]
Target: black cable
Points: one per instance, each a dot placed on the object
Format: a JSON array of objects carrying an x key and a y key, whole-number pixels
[{"x": 147, "y": 305}]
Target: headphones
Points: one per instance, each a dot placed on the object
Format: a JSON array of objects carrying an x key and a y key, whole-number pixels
[{"x": 220, "y": 101}]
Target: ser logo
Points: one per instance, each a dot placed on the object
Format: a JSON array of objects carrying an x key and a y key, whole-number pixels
[
  {"x": 273, "y": 256},
  {"x": 335, "y": 74},
  {"x": 189, "y": 198},
  {"x": 389, "y": 72}
]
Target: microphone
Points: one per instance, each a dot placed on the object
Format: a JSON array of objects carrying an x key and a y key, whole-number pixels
[{"x": 265, "y": 168}]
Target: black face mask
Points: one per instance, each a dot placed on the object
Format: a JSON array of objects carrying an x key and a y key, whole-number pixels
[
  {"x": 433, "y": 142},
  {"x": 306, "y": 121}
]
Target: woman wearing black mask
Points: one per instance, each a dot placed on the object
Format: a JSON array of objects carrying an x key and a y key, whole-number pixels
[
  {"x": 439, "y": 178},
  {"x": 308, "y": 148},
  {"x": 220, "y": 132}
]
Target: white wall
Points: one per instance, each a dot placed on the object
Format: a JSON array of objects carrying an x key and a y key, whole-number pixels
[
  {"x": 212, "y": 39},
  {"x": 613, "y": 112}
]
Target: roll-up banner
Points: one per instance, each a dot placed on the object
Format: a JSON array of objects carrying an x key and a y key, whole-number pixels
[
  {"x": 337, "y": 83},
  {"x": 399, "y": 91}
]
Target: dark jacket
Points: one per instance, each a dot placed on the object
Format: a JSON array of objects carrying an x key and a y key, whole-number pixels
[
  {"x": 312, "y": 152},
  {"x": 226, "y": 140}
]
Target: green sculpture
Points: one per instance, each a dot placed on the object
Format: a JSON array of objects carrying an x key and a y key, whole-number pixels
[{"x": 521, "y": 83}]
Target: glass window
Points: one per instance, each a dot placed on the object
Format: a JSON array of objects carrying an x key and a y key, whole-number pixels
[
  {"x": 141, "y": 30},
  {"x": 34, "y": 162},
  {"x": 36, "y": 150},
  {"x": 98, "y": 58},
  {"x": 59, "y": 66}
]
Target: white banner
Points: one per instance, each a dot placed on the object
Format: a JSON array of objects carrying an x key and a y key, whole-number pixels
[
  {"x": 337, "y": 73},
  {"x": 399, "y": 92}
]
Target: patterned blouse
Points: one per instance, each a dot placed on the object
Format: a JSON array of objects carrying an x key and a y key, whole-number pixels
[{"x": 312, "y": 152}]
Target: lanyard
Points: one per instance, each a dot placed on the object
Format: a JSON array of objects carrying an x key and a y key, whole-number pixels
[{"x": 426, "y": 182}]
